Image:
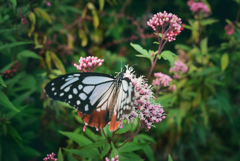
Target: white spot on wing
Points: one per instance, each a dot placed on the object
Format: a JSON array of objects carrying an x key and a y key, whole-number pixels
[
  {"x": 76, "y": 75},
  {"x": 88, "y": 89},
  {"x": 61, "y": 94},
  {"x": 75, "y": 91},
  {"x": 67, "y": 89},
  {"x": 78, "y": 102},
  {"x": 96, "y": 79},
  {"x": 80, "y": 87},
  {"x": 52, "y": 84},
  {"x": 86, "y": 108},
  {"x": 83, "y": 96},
  {"x": 55, "y": 93},
  {"x": 53, "y": 88},
  {"x": 98, "y": 109},
  {"x": 70, "y": 96},
  {"x": 69, "y": 82},
  {"x": 124, "y": 85}
]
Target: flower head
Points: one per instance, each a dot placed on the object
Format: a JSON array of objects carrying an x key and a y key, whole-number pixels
[
  {"x": 89, "y": 64},
  {"x": 50, "y": 157},
  {"x": 164, "y": 20},
  {"x": 161, "y": 79},
  {"x": 199, "y": 6},
  {"x": 172, "y": 88},
  {"x": 179, "y": 66},
  {"x": 146, "y": 109},
  {"x": 229, "y": 28}
]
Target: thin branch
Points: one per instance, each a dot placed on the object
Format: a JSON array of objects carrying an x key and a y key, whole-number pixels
[{"x": 104, "y": 134}]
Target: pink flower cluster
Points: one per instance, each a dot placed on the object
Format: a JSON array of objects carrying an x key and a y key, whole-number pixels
[
  {"x": 161, "y": 80},
  {"x": 89, "y": 64},
  {"x": 162, "y": 20},
  {"x": 199, "y": 6},
  {"x": 229, "y": 28},
  {"x": 113, "y": 159},
  {"x": 179, "y": 66},
  {"x": 50, "y": 157},
  {"x": 146, "y": 109}
]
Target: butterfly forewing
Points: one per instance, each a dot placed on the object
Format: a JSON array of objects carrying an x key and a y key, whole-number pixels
[{"x": 83, "y": 91}]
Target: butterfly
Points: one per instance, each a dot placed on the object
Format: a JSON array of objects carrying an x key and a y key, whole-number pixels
[{"x": 98, "y": 98}]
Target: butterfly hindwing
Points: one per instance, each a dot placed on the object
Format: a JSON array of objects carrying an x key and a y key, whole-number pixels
[
  {"x": 125, "y": 100},
  {"x": 83, "y": 91}
]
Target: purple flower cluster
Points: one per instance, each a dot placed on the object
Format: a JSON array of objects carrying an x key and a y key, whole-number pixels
[
  {"x": 89, "y": 64},
  {"x": 146, "y": 109},
  {"x": 113, "y": 159},
  {"x": 50, "y": 157},
  {"x": 164, "y": 20},
  {"x": 198, "y": 6}
]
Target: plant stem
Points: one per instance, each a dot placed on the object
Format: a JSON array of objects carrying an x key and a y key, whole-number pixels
[
  {"x": 104, "y": 134},
  {"x": 129, "y": 138}
]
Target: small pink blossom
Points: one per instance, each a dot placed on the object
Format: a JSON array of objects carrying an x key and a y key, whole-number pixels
[
  {"x": 190, "y": 2},
  {"x": 113, "y": 159},
  {"x": 176, "y": 76},
  {"x": 229, "y": 28},
  {"x": 172, "y": 88},
  {"x": 47, "y": 3},
  {"x": 89, "y": 64},
  {"x": 50, "y": 157},
  {"x": 199, "y": 6},
  {"x": 179, "y": 66},
  {"x": 84, "y": 128},
  {"x": 168, "y": 22},
  {"x": 161, "y": 80}
]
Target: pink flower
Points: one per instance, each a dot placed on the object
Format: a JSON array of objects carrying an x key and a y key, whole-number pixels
[
  {"x": 161, "y": 79},
  {"x": 84, "y": 128},
  {"x": 50, "y": 157},
  {"x": 164, "y": 20},
  {"x": 190, "y": 2},
  {"x": 113, "y": 159},
  {"x": 176, "y": 76},
  {"x": 89, "y": 64},
  {"x": 229, "y": 28},
  {"x": 146, "y": 109},
  {"x": 179, "y": 66},
  {"x": 172, "y": 88},
  {"x": 47, "y": 3},
  {"x": 195, "y": 7}
]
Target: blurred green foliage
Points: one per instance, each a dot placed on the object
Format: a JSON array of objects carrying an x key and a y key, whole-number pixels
[{"x": 40, "y": 42}]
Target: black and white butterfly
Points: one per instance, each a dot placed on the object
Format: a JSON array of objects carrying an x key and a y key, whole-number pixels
[{"x": 98, "y": 98}]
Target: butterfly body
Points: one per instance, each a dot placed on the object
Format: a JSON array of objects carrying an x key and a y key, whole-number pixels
[{"x": 98, "y": 98}]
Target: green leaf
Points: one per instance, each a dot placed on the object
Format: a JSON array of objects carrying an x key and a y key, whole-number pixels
[
  {"x": 131, "y": 147},
  {"x": 57, "y": 62},
  {"x": 14, "y": 44},
  {"x": 28, "y": 54},
  {"x": 43, "y": 14},
  {"x": 101, "y": 4},
  {"x": 32, "y": 18},
  {"x": 7, "y": 30},
  {"x": 139, "y": 49},
  {"x": 95, "y": 145},
  {"x": 2, "y": 82},
  {"x": 145, "y": 137},
  {"x": 84, "y": 153},
  {"x": 80, "y": 139},
  {"x": 114, "y": 151},
  {"x": 207, "y": 71},
  {"x": 149, "y": 153},
  {"x": 208, "y": 21},
  {"x": 224, "y": 61},
  {"x": 60, "y": 156},
  {"x": 14, "y": 2},
  {"x": 105, "y": 150},
  {"x": 124, "y": 129},
  {"x": 204, "y": 48},
  {"x": 169, "y": 157},
  {"x": 168, "y": 55},
  {"x": 129, "y": 157},
  {"x": 5, "y": 102}
]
